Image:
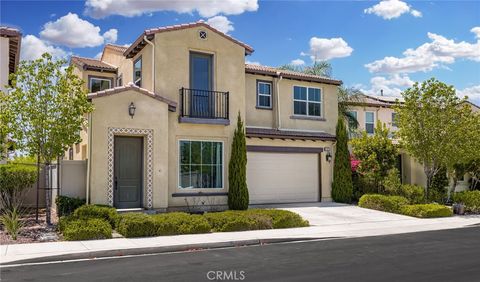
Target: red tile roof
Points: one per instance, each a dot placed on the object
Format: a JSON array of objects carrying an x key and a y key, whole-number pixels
[
  {"x": 272, "y": 71},
  {"x": 287, "y": 134},
  {"x": 140, "y": 43},
  {"x": 116, "y": 48},
  {"x": 89, "y": 63},
  {"x": 172, "y": 105}
]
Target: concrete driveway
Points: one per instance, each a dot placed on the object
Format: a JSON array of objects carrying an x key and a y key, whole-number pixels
[{"x": 327, "y": 214}]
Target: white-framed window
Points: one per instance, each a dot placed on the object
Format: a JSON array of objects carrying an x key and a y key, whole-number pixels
[
  {"x": 264, "y": 94},
  {"x": 137, "y": 72},
  {"x": 307, "y": 101},
  {"x": 370, "y": 122},
  {"x": 394, "y": 120},
  {"x": 99, "y": 84},
  {"x": 120, "y": 80},
  {"x": 200, "y": 164}
]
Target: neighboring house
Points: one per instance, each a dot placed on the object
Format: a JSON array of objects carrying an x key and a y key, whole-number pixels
[
  {"x": 165, "y": 112},
  {"x": 10, "y": 40},
  {"x": 369, "y": 110}
]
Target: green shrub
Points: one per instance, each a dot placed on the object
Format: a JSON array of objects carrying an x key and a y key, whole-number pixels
[
  {"x": 96, "y": 211},
  {"x": 238, "y": 221},
  {"x": 471, "y": 200},
  {"x": 392, "y": 183},
  {"x": 15, "y": 179},
  {"x": 87, "y": 229},
  {"x": 67, "y": 205},
  {"x": 180, "y": 223},
  {"x": 238, "y": 197},
  {"x": 282, "y": 218},
  {"x": 427, "y": 210},
  {"x": 11, "y": 221},
  {"x": 414, "y": 193},
  {"x": 438, "y": 189},
  {"x": 384, "y": 203},
  {"x": 342, "y": 186},
  {"x": 64, "y": 221},
  {"x": 136, "y": 225}
]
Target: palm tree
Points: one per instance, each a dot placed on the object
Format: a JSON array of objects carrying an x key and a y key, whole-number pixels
[{"x": 320, "y": 68}]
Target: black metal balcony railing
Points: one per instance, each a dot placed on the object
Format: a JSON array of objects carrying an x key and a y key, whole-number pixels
[{"x": 207, "y": 104}]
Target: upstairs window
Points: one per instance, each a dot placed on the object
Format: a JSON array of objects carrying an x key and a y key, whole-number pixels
[
  {"x": 394, "y": 120},
  {"x": 99, "y": 84},
  {"x": 264, "y": 94},
  {"x": 370, "y": 122},
  {"x": 120, "y": 80},
  {"x": 307, "y": 101},
  {"x": 137, "y": 72}
]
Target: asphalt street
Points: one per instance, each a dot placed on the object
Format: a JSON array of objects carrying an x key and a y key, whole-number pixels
[{"x": 447, "y": 255}]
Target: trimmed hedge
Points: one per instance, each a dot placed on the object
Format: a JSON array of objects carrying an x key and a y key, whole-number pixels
[
  {"x": 97, "y": 211},
  {"x": 181, "y": 223},
  {"x": 67, "y": 205},
  {"x": 471, "y": 200},
  {"x": 89, "y": 229},
  {"x": 143, "y": 225},
  {"x": 384, "y": 203},
  {"x": 427, "y": 210},
  {"x": 414, "y": 193},
  {"x": 136, "y": 225},
  {"x": 282, "y": 218},
  {"x": 238, "y": 221}
]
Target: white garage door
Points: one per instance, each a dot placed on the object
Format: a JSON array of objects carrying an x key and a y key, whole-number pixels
[{"x": 282, "y": 177}]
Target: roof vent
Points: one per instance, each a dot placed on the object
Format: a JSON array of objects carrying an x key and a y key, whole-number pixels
[{"x": 202, "y": 34}]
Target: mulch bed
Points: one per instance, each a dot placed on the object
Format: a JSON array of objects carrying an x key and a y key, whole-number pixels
[{"x": 32, "y": 232}]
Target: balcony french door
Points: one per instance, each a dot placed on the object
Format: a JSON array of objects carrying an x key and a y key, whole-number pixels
[{"x": 201, "y": 83}]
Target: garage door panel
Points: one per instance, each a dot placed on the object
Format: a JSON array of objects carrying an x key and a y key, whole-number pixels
[{"x": 282, "y": 178}]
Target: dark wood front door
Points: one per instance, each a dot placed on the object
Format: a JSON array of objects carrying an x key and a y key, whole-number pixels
[{"x": 128, "y": 179}]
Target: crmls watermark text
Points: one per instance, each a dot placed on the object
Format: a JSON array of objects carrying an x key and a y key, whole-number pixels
[{"x": 226, "y": 275}]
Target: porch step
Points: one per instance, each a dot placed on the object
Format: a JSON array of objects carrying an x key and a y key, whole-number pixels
[{"x": 141, "y": 210}]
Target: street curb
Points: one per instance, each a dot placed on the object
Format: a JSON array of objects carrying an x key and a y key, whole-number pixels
[{"x": 161, "y": 249}]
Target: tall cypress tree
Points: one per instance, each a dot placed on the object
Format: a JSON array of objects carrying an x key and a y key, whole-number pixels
[
  {"x": 237, "y": 170},
  {"x": 342, "y": 187}
]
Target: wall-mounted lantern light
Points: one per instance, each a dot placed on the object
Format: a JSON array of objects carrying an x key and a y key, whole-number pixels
[
  {"x": 131, "y": 109},
  {"x": 328, "y": 155}
]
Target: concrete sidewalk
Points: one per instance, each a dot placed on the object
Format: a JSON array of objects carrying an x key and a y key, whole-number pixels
[{"x": 327, "y": 220}]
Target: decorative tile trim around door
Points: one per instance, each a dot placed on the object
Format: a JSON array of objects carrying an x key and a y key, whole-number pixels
[{"x": 148, "y": 133}]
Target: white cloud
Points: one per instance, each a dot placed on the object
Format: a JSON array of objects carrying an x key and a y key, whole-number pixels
[
  {"x": 325, "y": 49},
  {"x": 473, "y": 93},
  {"x": 111, "y": 35},
  {"x": 74, "y": 32},
  {"x": 252, "y": 63},
  {"x": 130, "y": 8},
  {"x": 297, "y": 62},
  {"x": 99, "y": 55},
  {"x": 476, "y": 30},
  {"x": 391, "y": 86},
  {"x": 428, "y": 56},
  {"x": 221, "y": 23},
  {"x": 391, "y": 9},
  {"x": 33, "y": 48}
]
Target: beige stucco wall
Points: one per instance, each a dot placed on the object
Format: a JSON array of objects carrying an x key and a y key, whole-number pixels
[
  {"x": 4, "y": 59},
  {"x": 112, "y": 111},
  {"x": 283, "y": 88},
  {"x": 124, "y": 65},
  {"x": 382, "y": 114}
]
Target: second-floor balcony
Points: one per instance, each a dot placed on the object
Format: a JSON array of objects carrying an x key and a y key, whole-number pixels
[{"x": 204, "y": 106}]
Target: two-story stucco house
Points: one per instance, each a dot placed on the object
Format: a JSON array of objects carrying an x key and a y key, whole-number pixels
[
  {"x": 10, "y": 40},
  {"x": 369, "y": 110},
  {"x": 165, "y": 113}
]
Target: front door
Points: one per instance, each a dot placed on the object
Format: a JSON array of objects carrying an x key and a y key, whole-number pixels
[{"x": 128, "y": 179}]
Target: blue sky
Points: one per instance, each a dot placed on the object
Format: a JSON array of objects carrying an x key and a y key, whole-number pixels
[{"x": 371, "y": 45}]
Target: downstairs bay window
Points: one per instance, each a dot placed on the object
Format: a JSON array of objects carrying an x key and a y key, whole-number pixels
[{"x": 200, "y": 164}]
